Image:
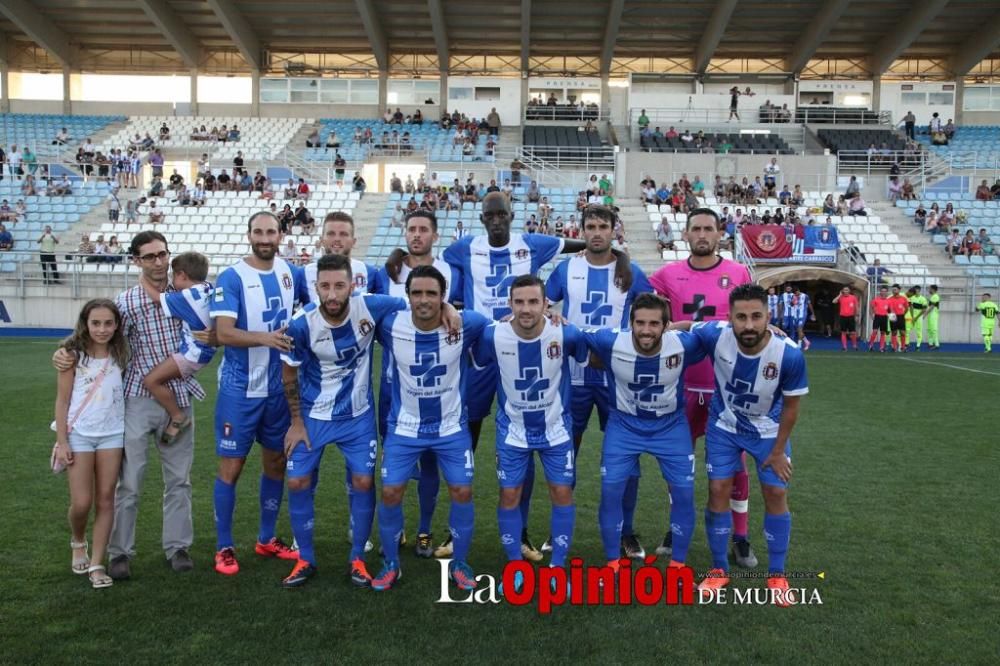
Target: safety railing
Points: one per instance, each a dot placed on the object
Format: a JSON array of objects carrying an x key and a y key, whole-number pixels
[
  {"x": 880, "y": 162},
  {"x": 568, "y": 112}
]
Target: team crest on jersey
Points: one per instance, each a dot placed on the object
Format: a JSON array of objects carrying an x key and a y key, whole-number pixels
[
  {"x": 365, "y": 327},
  {"x": 453, "y": 338},
  {"x": 360, "y": 280},
  {"x": 227, "y": 430},
  {"x": 673, "y": 361},
  {"x": 724, "y": 282},
  {"x": 521, "y": 254},
  {"x": 770, "y": 371},
  {"x": 767, "y": 241},
  {"x": 286, "y": 280},
  {"x": 554, "y": 350}
]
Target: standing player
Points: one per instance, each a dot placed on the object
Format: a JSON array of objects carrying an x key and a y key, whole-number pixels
[
  {"x": 880, "y": 319},
  {"x": 251, "y": 306},
  {"x": 759, "y": 380},
  {"x": 802, "y": 310},
  {"x": 428, "y": 414},
  {"x": 899, "y": 305},
  {"x": 987, "y": 310},
  {"x": 788, "y": 310},
  {"x": 487, "y": 266},
  {"x": 849, "y": 315},
  {"x": 597, "y": 290},
  {"x": 337, "y": 237},
  {"x": 773, "y": 307},
  {"x": 918, "y": 308},
  {"x": 933, "y": 314},
  {"x": 420, "y": 230},
  {"x": 534, "y": 391},
  {"x": 644, "y": 367},
  {"x": 698, "y": 289}
]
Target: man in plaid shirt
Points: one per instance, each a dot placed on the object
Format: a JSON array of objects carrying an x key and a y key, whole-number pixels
[{"x": 153, "y": 337}]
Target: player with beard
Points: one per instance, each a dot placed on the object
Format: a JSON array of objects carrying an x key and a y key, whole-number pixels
[
  {"x": 252, "y": 305},
  {"x": 337, "y": 237},
  {"x": 488, "y": 265},
  {"x": 698, "y": 290},
  {"x": 420, "y": 230},
  {"x": 759, "y": 381},
  {"x": 597, "y": 291}
]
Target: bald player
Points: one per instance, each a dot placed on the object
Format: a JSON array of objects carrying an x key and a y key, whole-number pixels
[{"x": 698, "y": 289}]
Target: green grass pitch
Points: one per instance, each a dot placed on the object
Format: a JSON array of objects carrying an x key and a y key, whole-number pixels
[{"x": 894, "y": 461}]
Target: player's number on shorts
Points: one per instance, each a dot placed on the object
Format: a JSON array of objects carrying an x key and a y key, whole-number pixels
[
  {"x": 569, "y": 460},
  {"x": 691, "y": 458},
  {"x": 468, "y": 460}
]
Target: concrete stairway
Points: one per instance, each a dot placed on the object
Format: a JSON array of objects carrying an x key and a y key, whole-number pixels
[
  {"x": 366, "y": 216},
  {"x": 639, "y": 234}
]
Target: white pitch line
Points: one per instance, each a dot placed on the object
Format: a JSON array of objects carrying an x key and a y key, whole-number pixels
[{"x": 948, "y": 365}]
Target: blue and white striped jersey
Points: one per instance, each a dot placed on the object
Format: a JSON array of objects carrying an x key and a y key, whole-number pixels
[
  {"x": 192, "y": 307},
  {"x": 487, "y": 272},
  {"x": 428, "y": 374},
  {"x": 749, "y": 389},
  {"x": 534, "y": 390},
  {"x": 590, "y": 299},
  {"x": 364, "y": 278},
  {"x": 259, "y": 301},
  {"x": 335, "y": 362},
  {"x": 647, "y": 392}
]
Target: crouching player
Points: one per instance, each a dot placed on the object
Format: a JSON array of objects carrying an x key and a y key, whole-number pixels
[
  {"x": 645, "y": 367},
  {"x": 759, "y": 380}
]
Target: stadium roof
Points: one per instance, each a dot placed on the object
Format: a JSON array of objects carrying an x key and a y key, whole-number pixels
[{"x": 539, "y": 36}]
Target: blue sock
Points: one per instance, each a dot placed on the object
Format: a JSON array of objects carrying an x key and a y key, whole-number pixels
[
  {"x": 563, "y": 520},
  {"x": 777, "y": 530},
  {"x": 301, "y": 510},
  {"x": 510, "y": 524},
  {"x": 609, "y": 517},
  {"x": 427, "y": 490},
  {"x": 718, "y": 527},
  {"x": 362, "y": 512},
  {"x": 629, "y": 500},
  {"x": 390, "y": 525},
  {"x": 225, "y": 504},
  {"x": 314, "y": 481},
  {"x": 526, "y": 490},
  {"x": 271, "y": 491},
  {"x": 681, "y": 521},
  {"x": 350, "y": 499},
  {"x": 461, "y": 521}
]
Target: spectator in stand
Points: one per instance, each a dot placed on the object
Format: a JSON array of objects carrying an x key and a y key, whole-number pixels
[
  {"x": 949, "y": 129},
  {"x": 909, "y": 122},
  {"x": 985, "y": 243},
  {"x": 313, "y": 140},
  {"x": 156, "y": 215},
  {"x": 983, "y": 192},
  {"x": 86, "y": 248},
  {"x": 785, "y": 196},
  {"x": 358, "y": 183},
  {"x": 995, "y": 190},
  {"x": 842, "y": 207},
  {"x": 947, "y": 216},
  {"x": 953, "y": 243},
  {"x": 798, "y": 198},
  {"x": 895, "y": 189},
  {"x": 932, "y": 224},
  {"x": 644, "y": 120},
  {"x": 534, "y": 194},
  {"x": 852, "y": 188},
  {"x": 245, "y": 183},
  {"x": 664, "y": 235},
  {"x": 771, "y": 172},
  {"x": 6, "y": 239},
  {"x": 698, "y": 187},
  {"x": 969, "y": 245},
  {"x": 907, "y": 193},
  {"x": 304, "y": 219},
  {"x": 198, "y": 196},
  {"x": 920, "y": 215},
  {"x": 302, "y": 190},
  {"x": 21, "y": 210},
  {"x": 857, "y": 206},
  {"x": 493, "y": 121},
  {"x": 289, "y": 251}
]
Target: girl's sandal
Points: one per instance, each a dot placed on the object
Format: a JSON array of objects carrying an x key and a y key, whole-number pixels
[
  {"x": 80, "y": 563},
  {"x": 101, "y": 579}
]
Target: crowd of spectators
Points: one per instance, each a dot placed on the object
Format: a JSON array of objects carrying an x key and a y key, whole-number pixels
[{"x": 935, "y": 220}]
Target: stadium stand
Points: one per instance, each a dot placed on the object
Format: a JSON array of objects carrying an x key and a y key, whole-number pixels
[
  {"x": 711, "y": 142},
  {"x": 818, "y": 115},
  {"x": 39, "y": 130},
  {"x": 970, "y": 147},
  {"x": 551, "y": 141},
  {"x": 438, "y": 143},
  {"x": 561, "y": 112},
  {"x": 861, "y": 139},
  {"x": 260, "y": 138}
]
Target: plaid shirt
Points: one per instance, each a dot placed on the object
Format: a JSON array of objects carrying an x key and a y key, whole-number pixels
[{"x": 154, "y": 338}]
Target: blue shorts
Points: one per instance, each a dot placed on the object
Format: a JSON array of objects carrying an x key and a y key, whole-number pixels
[
  {"x": 481, "y": 388},
  {"x": 354, "y": 437},
  {"x": 585, "y": 398},
  {"x": 775, "y": 321},
  {"x": 240, "y": 421},
  {"x": 793, "y": 323},
  {"x": 454, "y": 454},
  {"x": 723, "y": 450},
  {"x": 671, "y": 448},
  {"x": 384, "y": 405},
  {"x": 559, "y": 462}
]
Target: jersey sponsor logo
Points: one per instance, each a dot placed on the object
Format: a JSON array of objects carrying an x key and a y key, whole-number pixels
[
  {"x": 673, "y": 361},
  {"x": 741, "y": 394},
  {"x": 531, "y": 384},
  {"x": 275, "y": 314},
  {"x": 499, "y": 280},
  {"x": 366, "y": 327},
  {"x": 645, "y": 388},
  {"x": 428, "y": 371},
  {"x": 770, "y": 371},
  {"x": 698, "y": 309},
  {"x": 554, "y": 351},
  {"x": 595, "y": 309}
]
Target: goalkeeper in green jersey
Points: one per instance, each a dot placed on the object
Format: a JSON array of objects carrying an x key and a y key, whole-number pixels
[{"x": 988, "y": 313}]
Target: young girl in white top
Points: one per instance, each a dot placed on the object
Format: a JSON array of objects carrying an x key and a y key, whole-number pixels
[{"x": 90, "y": 429}]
